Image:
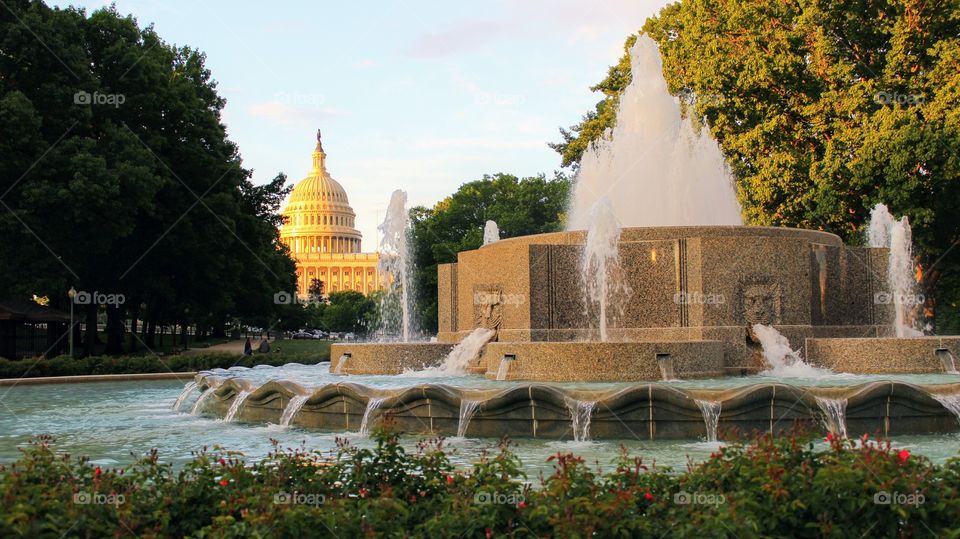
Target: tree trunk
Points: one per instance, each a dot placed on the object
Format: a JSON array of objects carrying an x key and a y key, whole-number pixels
[
  {"x": 90, "y": 341},
  {"x": 114, "y": 330},
  {"x": 152, "y": 334},
  {"x": 134, "y": 341}
]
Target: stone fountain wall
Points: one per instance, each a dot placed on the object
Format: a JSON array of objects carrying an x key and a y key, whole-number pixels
[{"x": 688, "y": 284}]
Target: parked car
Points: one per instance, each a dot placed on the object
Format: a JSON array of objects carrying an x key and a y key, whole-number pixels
[
  {"x": 317, "y": 334},
  {"x": 302, "y": 335}
]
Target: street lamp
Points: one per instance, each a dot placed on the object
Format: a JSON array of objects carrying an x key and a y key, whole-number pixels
[{"x": 71, "y": 294}]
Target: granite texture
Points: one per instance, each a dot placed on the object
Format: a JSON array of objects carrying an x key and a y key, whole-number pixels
[
  {"x": 872, "y": 355},
  {"x": 387, "y": 358},
  {"x": 642, "y": 411}
]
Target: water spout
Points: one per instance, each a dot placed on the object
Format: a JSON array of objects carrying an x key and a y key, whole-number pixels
[
  {"x": 395, "y": 269},
  {"x": 341, "y": 364},
  {"x": 652, "y": 165},
  {"x": 504, "y": 367},
  {"x": 236, "y": 406},
  {"x": 600, "y": 267},
  {"x": 835, "y": 412},
  {"x": 781, "y": 359},
  {"x": 491, "y": 233},
  {"x": 467, "y": 409},
  {"x": 711, "y": 416},
  {"x": 187, "y": 390},
  {"x": 885, "y": 231},
  {"x": 460, "y": 357},
  {"x": 665, "y": 363},
  {"x": 947, "y": 360},
  {"x": 372, "y": 405},
  {"x": 580, "y": 414},
  {"x": 293, "y": 406},
  {"x": 203, "y": 397}
]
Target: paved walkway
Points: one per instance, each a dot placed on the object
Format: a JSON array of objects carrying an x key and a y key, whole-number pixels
[{"x": 232, "y": 347}]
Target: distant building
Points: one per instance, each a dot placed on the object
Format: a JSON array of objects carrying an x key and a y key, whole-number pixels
[{"x": 319, "y": 229}]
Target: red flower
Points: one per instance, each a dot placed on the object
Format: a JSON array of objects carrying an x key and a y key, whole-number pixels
[
  {"x": 223, "y": 462},
  {"x": 413, "y": 498},
  {"x": 647, "y": 496},
  {"x": 449, "y": 479},
  {"x": 224, "y": 482},
  {"x": 488, "y": 532},
  {"x": 829, "y": 437},
  {"x": 97, "y": 472},
  {"x": 521, "y": 505},
  {"x": 903, "y": 455},
  {"x": 363, "y": 492}
]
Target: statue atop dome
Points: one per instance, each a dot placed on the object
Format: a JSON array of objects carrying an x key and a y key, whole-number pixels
[{"x": 319, "y": 143}]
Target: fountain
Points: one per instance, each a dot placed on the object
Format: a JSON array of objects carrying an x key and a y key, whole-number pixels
[
  {"x": 491, "y": 232},
  {"x": 197, "y": 406},
  {"x": 236, "y": 406},
  {"x": 601, "y": 264},
  {"x": 884, "y": 231},
  {"x": 688, "y": 313},
  {"x": 187, "y": 390},
  {"x": 950, "y": 402},
  {"x": 467, "y": 409},
  {"x": 293, "y": 406},
  {"x": 947, "y": 360},
  {"x": 835, "y": 411},
  {"x": 711, "y": 416},
  {"x": 580, "y": 414},
  {"x": 394, "y": 266},
  {"x": 372, "y": 405}
]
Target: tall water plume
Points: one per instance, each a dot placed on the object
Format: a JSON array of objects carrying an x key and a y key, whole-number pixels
[
  {"x": 491, "y": 232},
  {"x": 886, "y": 231},
  {"x": 652, "y": 164},
  {"x": 604, "y": 286},
  {"x": 394, "y": 268}
]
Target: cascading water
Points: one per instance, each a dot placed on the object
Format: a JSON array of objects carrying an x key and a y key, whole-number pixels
[
  {"x": 187, "y": 390},
  {"x": 459, "y": 358},
  {"x": 491, "y": 233},
  {"x": 947, "y": 360},
  {"x": 600, "y": 269},
  {"x": 950, "y": 402},
  {"x": 781, "y": 359},
  {"x": 372, "y": 405},
  {"x": 236, "y": 406},
  {"x": 711, "y": 416},
  {"x": 467, "y": 409},
  {"x": 203, "y": 397},
  {"x": 652, "y": 164},
  {"x": 835, "y": 411},
  {"x": 580, "y": 414},
  {"x": 503, "y": 368},
  {"x": 886, "y": 231},
  {"x": 293, "y": 406},
  {"x": 394, "y": 268}
]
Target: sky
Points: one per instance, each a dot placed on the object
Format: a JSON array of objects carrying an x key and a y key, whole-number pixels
[{"x": 415, "y": 95}]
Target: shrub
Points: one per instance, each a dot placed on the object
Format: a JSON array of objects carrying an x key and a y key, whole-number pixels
[{"x": 773, "y": 487}]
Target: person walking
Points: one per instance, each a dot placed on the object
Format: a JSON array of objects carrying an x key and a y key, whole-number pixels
[{"x": 248, "y": 347}]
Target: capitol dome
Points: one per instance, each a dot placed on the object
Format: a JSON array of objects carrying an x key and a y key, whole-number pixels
[{"x": 319, "y": 218}]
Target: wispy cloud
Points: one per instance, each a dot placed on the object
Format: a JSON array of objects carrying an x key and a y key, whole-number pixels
[
  {"x": 284, "y": 114},
  {"x": 460, "y": 37}
]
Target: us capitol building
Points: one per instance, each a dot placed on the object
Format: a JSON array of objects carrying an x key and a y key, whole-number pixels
[{"x": 319, "y": 230}]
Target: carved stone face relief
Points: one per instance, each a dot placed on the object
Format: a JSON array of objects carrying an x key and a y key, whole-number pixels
[
  {"x": 760, "y": 301},
  {"x": 488, "y": 306}
]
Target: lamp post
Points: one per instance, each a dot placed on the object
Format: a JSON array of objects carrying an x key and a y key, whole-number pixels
[{"x": 71, "y": 294}]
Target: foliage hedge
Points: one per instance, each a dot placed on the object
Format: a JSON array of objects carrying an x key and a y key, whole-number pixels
[
  {"x": 772, "y": 487},
  {"x": 64, "y": 366}
]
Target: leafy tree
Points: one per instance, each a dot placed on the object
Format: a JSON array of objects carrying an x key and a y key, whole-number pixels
[
  {"x": 519, "y": 206},
  {"x": 823, "y": 110},
  {"x": 348, "y": 310}
]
